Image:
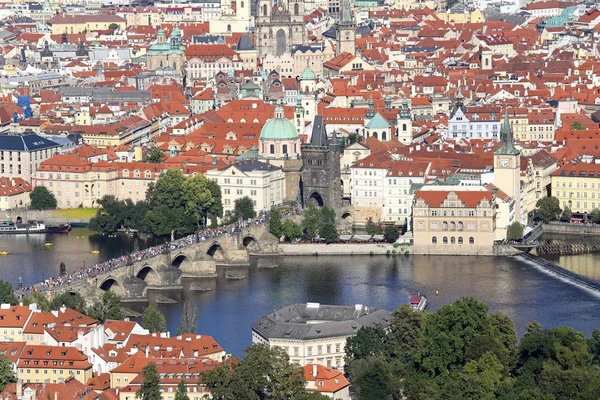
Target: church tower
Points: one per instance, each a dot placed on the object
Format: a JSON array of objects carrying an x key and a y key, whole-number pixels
[
  {"x": 507, "y": 166},
  {"x": 299, "y": 115},
  {"x": 404, "y": 125},
  {"x": 308, "y": 90},
  {"x": 346, "y": 30}
]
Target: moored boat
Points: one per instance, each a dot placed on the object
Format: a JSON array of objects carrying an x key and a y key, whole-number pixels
[
  {"x": 418, "y": 302},
  {"x": 31, "y": 227}
]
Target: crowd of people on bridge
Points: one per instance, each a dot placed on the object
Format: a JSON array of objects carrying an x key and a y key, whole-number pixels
[{"x": 200, "y": 236}]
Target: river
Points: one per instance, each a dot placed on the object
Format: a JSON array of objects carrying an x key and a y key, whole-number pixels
[{"x": 226, "y": 313}]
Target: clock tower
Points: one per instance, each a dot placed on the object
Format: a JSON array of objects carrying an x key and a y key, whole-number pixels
[{"x": 507, "y": 166}]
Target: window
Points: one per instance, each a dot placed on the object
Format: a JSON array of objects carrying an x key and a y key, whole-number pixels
[
  {"x": 471, "y": 240},
  {"x": 434, "y": 240},
  {"x": 445, "y": 240},
  {"x": 460, "y": 240},
  {"x": 452, "y": 240}
]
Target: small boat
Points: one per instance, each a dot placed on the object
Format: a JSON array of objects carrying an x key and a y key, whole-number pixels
[
  {"x": 48, "y": 244},
  {"x": 233, "y": 276},
  {"x": 3, "y": 253},
  {"x": 418, "y": 302},
  {"x": 95, "y": 252}
]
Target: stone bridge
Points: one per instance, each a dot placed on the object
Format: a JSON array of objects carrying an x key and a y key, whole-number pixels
[{"x": 197, "y": 260}]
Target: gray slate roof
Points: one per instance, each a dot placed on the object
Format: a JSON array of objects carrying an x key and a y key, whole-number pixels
[
  {"x": 252, "y": 165},
  {"x": 290, "y": 322},
  {"x": 25, "y": 143}
]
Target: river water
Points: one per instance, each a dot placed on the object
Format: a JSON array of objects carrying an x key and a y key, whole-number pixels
[{"x": 519, "y": 290}]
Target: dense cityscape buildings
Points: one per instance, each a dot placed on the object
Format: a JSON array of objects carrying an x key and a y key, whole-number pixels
[{"x": 447, "y": 121}]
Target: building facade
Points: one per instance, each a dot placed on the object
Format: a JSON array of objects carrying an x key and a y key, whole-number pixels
[
  {"x": 454, "y": 220},
  {"x": 21, "y": 155},
  {"x": 279, "y": 26}
]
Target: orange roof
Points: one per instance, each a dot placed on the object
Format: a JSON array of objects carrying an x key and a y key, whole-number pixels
[
  {"x": 326, "y": 380},
  {"x": 470, "y": 199},
  {"x": 53, "y": 356},
  {"x": 12, "y": 350},
  {"x": 14, "y": 316}
]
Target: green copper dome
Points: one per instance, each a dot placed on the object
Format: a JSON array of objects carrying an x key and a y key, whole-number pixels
[
  {"x": 308, "y": 74},
  {"x": 279, "y": 128}
]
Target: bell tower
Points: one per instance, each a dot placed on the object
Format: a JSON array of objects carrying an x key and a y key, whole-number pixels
[
  {"x": 346, "y": 30},
  {"x": 507, "y": 166},
  {"x": 404, "y": 128}
]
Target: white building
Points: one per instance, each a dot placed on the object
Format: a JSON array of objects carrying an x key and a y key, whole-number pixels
[
  {"x": 387, "y": 185},
  {"x": 312, "y": 333},
  {"x": 263, "y": 183},
  {"x": 478, "y": 122}
]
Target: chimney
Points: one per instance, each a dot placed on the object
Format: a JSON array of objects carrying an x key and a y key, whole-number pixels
[
  {"x": 314, "y": 370},
  {"x": 19, "y": 386},
  {"x": 147, "y": 350},
  {"x": 55, "y": 395}
]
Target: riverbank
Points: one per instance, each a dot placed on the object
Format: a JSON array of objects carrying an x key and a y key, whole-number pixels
[
  {"x": 58, "y": 216},
  {"x": 345, "y": 249}
]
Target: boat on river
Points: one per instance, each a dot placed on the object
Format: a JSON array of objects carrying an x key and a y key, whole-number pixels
[
  {"x": 418, "y": 302},
  {"x": 31, "y": 227}
]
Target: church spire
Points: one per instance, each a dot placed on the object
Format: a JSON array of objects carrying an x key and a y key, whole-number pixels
[
  {"x": 506, "y": 137},
  {"x": 346, "y": 18}
]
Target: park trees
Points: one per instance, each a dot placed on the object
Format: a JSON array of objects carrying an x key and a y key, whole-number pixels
[
  {"x": 320, "y": 222},
  {"x": 180, "y": 205},
  {"x": 264, "y": 372},
  {"x": 153, "y": 320},
  {"x": 291, "y": 230},
  {"x": 42, "y": 199},
  {"x": 548, "y": 209},
  {"x": 244, "y": 208},
  {"x": 69, "y": 300},
  {"x": 372, "y": 228}
]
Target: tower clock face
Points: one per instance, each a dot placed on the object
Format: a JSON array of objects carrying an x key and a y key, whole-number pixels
[{"x": 504, "y": 163}]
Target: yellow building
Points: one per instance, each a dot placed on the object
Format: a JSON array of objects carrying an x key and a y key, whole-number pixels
[
  {"x": 454, "y": 220},
  {"x": 71, "y": 23},
  {"x": 460, "y": 14},
  {"x": 53, "y": 364},
  {"x": 12, "y": 322},
  {"x": 577, "y": 186}
]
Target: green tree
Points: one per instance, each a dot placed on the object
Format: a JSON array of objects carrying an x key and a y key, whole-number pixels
[
  {"x": 108, "y": 307},
  {"x": 548, "y": 209},
  {"x": 150, "y": 388},
  {"x": 407, "y": 329},
  {"x": 42, "y": 199},
  {"x": 368, "y": 342},
  {"x": 514, "y": 231},
  {"x": 311, "y": 222},
  {"x": 154, "y": 156},
  {"x": 189, "y": 319},
  {"x": 38, "y": 298},
  {"x": 373, "y": 379},
  {"x": 198, "y": 198},
  {"x": 244, "y": 208},
  {"x": 153, "y": 320},
  {"x": 291, "y": 230},
  {"x": 578, "y": 126},
  {"x": 275, "y": 225},
  {"x": 391, "y": 234},
  {"x": 74, "y": 301},
  {"x": 7, "y": 295},
  {"x": 372, "y": 228},
  {"x": 113, "y": 26},
  {"x": 353, "y": 138},
  {"x": 181, "y": 393},
  {"x": 110, "y": 216},
  {"x": 216, "y": 208},
  {"x": 7, "y": 374},
  {"x": 595, "y": 215},
  {"x": 327, "y": 227},
  {"x": 566, "y": 215},
  {"x": 478, "y": 380}
]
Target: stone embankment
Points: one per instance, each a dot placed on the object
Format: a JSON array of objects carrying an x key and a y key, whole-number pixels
[
  {"x": 306, "y": 249},
  {"x": 559, "y": 247}
]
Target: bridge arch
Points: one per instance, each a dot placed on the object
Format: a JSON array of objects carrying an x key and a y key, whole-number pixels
[
  {"x": 216, "y": 251},
  {"x": 148, "y": 275},
  {"x": 346, "y": 214},
  {"x": 182, "y": 261},
  {"x": 113, "y": 284},
  {"x": 250, "y": 242}
]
